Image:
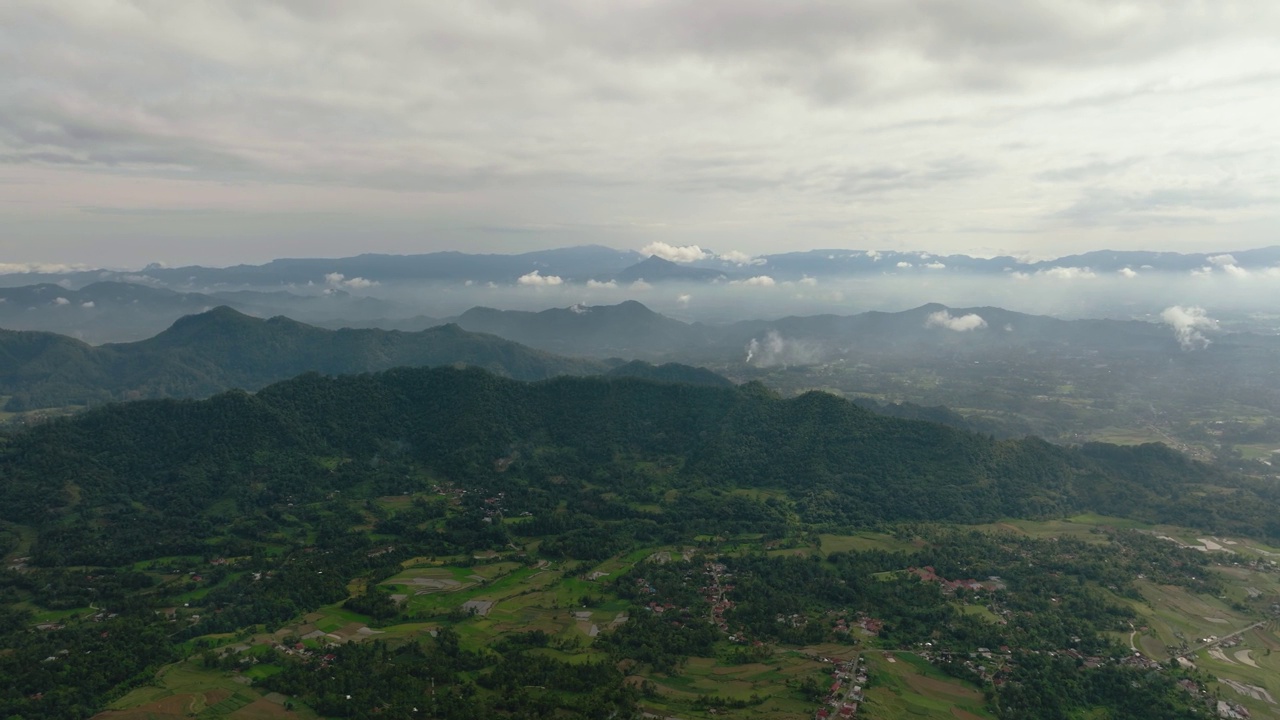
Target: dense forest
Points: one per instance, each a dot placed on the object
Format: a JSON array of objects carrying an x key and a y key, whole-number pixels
[{"x": 259, "y": 509}]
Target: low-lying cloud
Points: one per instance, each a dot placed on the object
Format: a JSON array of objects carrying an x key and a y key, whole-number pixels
[
  {"x": 757, "y": 281},
  {"x": 537, "y": 279},
  {"x": 676, "y": 253},
  {"x": 962, "y": 323},
  {"x": 337, "y": 279}
]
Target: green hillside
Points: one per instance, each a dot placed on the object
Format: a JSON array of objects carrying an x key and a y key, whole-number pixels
[{"x": 223, "y": 349}]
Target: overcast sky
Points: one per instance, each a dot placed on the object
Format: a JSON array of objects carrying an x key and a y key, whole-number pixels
[{"x": 238, "y": 131}]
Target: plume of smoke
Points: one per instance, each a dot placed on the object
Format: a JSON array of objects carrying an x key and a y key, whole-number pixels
[
  {"x": 773, "y": 349},
  {"x": 963, "y": 323},
  {"x": 1189, "y": 325}
]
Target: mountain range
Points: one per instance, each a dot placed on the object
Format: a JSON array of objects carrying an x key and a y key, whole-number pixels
[{"x": 602, "y": 264}]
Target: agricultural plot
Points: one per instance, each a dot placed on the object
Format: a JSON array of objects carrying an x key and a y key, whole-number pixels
[
  {"x": 908, "y": 686},
  {"x": 184, "y": 690},
  {"x": 767, "y": 689}
]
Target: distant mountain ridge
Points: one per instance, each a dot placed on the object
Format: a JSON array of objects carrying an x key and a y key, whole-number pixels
[
  {"x": 594, "y": 262},
  {"x": 221, "y": 349},
  {"x": 632, "y": 330}
]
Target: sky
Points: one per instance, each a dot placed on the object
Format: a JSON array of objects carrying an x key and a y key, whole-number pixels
[{"x": 244, "y": 130}]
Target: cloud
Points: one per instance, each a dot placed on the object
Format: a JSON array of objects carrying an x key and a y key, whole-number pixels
[
  {"x": 903, "y": 264},
  {"x": 963, "y": 323},
  {"x": 741, "y": 259},
  {"x": 1068, "y": 273},
  {"x": 1189, "y": 326},
  {"x": 537, "y": 279},
  {"x": 61, "y": 301},
  {"x": 1235, "y": 270},
  {"x": 757, "y": 281},
  {"x": 602, "y": 285},
  {"x": 683, "y": 300},
  {"x": 809, "y": 281},
  {"x": 1059, "y": 273},
  {"x": 89, "y": 304},
  {"x": 874, "y": 255},
  {"x": 936, "y": 266},
  {"x": 1221, "y": 260},
  {"x": 640, "y": 285},
  {"x": 679, "y": 254},
  {"x": 1128, "y": 273},
  {"x": 43, "y": 268},
  {"x": 298, "y": 122},
  {"x": 337, "y": 279}
]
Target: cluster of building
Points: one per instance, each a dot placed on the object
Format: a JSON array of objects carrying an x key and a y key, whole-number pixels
[
  {"x": 716, "y": 593},
  {"x": 928, "y": 574},
  {"x": 847, "y": 680}
]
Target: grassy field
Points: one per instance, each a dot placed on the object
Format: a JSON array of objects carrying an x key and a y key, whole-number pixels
[
  {"x": 864, "y": 541},
  {"x": 905, "y": 686},
  {"x": 183, "y": 690}
]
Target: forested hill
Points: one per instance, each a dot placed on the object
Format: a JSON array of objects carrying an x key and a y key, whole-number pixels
[
  {"x": 222, "y": 349},
  {"x": 567, "y": 450}
]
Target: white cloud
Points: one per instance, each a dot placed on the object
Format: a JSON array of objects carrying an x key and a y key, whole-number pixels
[
  {"x": 1235, "y": 270},
  {"x": 1128, "y": 272},
  {"x": 88, "y": 304},
  {"x": 757, "y": 281},
  {"x": 874, "y": 255},
  {"x": 903, "y": 264},
  {"x": 602, "y": 285},
  {"x": 61, "y": 301},
  {"x": 333, "y": 278},
  {"x": 1221, "y": 260},
  {"x": 1068, "y": 273},
  {"x": 1057, "y": 273},
  {"x": 537, "y": 279},
  {"x": 640, "y": 285},
  {"x": 683, "y": 300},
  {"x": 674, "y": 253},
  {"x": 936, "y": 266},
  {"x": 810, "y": 281},
  {"x": 963, "y": 323},
  {"x": 1189, "y": 325},
  {"x": 48, "y": 268},
  {"x": 741, "y": 258},
  {"x": 359, "y": 283}
]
